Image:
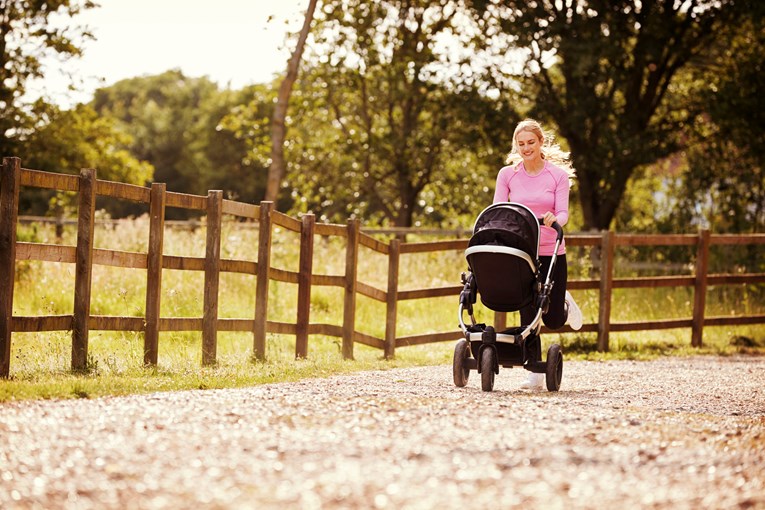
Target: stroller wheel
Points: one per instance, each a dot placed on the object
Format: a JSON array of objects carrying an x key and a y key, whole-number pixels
[
  {"x": 554, "y": 367},
  {"x": 461, "y": 371},
  {"x": 487, "y": 369}
]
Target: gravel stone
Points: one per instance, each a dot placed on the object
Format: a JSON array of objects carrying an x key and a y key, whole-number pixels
[{"x": 679, "y": 433}]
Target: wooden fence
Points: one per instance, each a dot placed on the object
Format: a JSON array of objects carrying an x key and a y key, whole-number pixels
[{"x": 84, "y": 256}]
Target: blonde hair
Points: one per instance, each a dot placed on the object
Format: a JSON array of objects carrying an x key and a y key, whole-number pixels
[{"x": 550, "y": 151}]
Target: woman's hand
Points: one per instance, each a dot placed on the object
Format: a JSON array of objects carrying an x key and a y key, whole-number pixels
[{"x": 549, "y": 218}]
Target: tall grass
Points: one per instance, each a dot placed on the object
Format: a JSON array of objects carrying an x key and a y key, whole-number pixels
[{"x": 40, "y": 364}]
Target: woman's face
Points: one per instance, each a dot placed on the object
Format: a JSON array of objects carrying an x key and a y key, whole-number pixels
[{"x": 529, "y": 146}]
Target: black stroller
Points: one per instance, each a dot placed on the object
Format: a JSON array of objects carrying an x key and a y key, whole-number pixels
[{"x": 503, "y": 263}]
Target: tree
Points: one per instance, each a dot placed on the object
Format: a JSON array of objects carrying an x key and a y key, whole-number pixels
[
  {"x": 341, "y": 167},
  {"x": 248, "y": 122},
  {"x": 724, "y": 184},
  {"x": 278, "y": 123},
  {"x": 69, "y": 140},
  {"x": 605, "y": 72},
  {"x": 176, "y": 125},
  {"x": 162, "y": 114},
  {"x": 402, "y": 111},
  {"x": 234, "y": 167},
  {"x": 718, "y": 180},
  {"x": 27, "y": 36},
  {"x": 78, "y": 138}
]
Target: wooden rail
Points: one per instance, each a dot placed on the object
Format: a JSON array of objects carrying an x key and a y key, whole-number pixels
[{"x": 84, "y": 256}]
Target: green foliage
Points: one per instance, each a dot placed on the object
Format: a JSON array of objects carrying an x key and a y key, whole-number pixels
[
  {"x": 41, "y": 134},
  {"x": 404, "y": 109},
  {"x": 27, "y": 37},
  {"x": 653, "y": 200},
  {"x": 235, "y": 168},
  {"x": 176, "y": 125},
  {"x": 724, "y": 185},
  {"x": 607, "y": 76},
  {"x": 67, "y": 141},
  {"x": 248, "y": 121},
  {"x": 391, "y": 126},
  {"x": 718, "y": 182}
]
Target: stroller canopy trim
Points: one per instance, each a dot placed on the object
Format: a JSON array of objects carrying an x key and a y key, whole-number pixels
[{"x": 502, "y": 249}]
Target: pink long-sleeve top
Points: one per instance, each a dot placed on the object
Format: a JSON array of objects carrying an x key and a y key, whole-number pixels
[{"x": 546, "y": 191}]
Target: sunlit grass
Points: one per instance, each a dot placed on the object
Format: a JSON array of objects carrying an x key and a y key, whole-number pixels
[{"x": 40, "y": 362}]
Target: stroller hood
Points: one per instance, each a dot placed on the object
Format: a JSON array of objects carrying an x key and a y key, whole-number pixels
[{"x": 507, "y": 224}]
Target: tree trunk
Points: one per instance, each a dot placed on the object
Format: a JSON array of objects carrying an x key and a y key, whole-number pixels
[
  {"x": 277, "y": 168},
  {"x": 601, "y": 178},
  {"x": 600, "y": 202}
]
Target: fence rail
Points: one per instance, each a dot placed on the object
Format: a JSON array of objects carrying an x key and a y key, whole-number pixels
[{"x": 154, "y": 261}]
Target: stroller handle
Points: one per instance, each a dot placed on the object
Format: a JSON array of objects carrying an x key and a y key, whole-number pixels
[{"x": 556, "y": 226}]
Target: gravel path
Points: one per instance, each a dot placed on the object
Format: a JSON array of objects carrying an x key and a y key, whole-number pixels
[{"x": 680, "y": 433}]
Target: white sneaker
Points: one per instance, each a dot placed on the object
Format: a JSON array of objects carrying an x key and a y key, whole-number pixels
[
  {"x": 534, "y": 382},
  {"x": 574, "y": 313}
]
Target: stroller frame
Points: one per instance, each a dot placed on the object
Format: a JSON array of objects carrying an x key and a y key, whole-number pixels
[{"x": 483, "y": 348}]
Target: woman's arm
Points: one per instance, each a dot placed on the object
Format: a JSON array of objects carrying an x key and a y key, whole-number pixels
[
  {"x": 562, "y": 190},
  {"x": 502, "y": 188}
]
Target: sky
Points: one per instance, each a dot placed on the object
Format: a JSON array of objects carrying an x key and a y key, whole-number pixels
[{"x": 230, "y": 41}]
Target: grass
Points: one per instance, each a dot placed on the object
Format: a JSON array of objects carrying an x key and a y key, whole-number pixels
[
  {"x": 40, "y": 361},
  {"x": 116, "y": 368}
]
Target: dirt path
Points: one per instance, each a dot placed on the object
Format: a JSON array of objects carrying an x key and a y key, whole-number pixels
[{"x": 674, "y": 433}]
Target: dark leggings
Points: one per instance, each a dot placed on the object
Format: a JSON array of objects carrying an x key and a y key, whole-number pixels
[{"x": 557, "y": 313}]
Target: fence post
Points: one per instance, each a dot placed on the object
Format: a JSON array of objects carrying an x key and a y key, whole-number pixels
[
  {"x": 305, "y": 271},
  {"x": 500, "y": 321},
  {"x": 351, "y": 272},
  {"x": 154, "y": 272},
  {"x": 700, "y": 288},
  {"x": 83, "y": 272},
  {"x": 261, "y": 285},
  {"x": 394, "y": 254},
  {"x": 10, "y": 182},
  {"x": 59, "y": 223},
  {"x": 606, "y": 286},
  {"x": 212, "y": 277}
]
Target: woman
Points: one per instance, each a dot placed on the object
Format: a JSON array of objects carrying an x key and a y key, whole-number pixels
[{"x": 541, "y": 182}]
